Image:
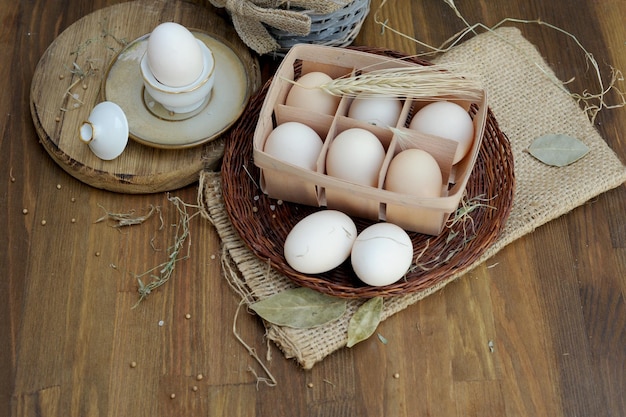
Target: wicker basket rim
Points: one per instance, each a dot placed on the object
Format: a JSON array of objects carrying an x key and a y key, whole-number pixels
[{"x": 263, "y": 225}]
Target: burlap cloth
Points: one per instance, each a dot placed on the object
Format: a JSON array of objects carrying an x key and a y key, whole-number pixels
[
  {"x": 252, "y": 17},
  {"x": 527, "y": 104}
]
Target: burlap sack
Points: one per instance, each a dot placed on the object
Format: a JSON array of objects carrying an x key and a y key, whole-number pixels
[
  {"x": 252, "y": 17},
  {"x": 527, "y": 104}
]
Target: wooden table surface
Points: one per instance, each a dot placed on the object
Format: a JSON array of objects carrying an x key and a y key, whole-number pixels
[{"x": 72, "y": 345}]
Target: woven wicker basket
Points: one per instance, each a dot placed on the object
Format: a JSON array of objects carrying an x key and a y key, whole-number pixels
[
  {"x": 333, "y": 29},
  {"x": 263, "y": 223}
]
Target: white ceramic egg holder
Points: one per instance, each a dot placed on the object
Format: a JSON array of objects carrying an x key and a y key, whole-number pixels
[{"x": 287, "y": 182}]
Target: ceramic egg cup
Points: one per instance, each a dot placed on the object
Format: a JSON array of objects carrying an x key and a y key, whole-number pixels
[
  {"x": 288, "y": 182},
  {"x": 184, "y": 99}
]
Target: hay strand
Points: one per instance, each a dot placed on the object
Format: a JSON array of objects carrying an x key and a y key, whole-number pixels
[
  {"x": 413, "y": 82},
  {"x": 591, "y": 103}
]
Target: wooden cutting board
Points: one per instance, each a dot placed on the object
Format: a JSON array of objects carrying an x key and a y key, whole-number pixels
[{"x": 67, "y": 84}]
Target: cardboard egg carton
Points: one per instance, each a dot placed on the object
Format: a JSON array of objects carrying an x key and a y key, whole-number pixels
[{"x": 287, "y": 182}]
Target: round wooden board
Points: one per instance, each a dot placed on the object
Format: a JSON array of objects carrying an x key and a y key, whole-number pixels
[{"x": 67, "y": 85}]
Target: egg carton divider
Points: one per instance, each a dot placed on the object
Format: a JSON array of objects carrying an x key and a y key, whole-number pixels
[{"x": 287, "y": 182}]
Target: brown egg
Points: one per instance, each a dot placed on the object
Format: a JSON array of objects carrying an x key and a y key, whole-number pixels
[{"x": 305, "y": 94}]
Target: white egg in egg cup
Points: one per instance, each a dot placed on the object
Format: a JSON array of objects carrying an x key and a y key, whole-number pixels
[{"x": 183, "y": 99}]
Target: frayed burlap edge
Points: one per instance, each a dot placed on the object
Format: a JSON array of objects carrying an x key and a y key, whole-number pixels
[
  {"x": 526, "y": 104},
  {"x": 252, "y": 279}
]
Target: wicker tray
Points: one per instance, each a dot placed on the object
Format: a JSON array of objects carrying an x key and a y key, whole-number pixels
[{"x": 264, "y": 223}]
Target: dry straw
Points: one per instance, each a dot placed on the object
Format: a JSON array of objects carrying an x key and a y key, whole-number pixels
[
  {"x": 161, "y": 274},
  {"x": 426, "y": 82},
  {"x": 592, "y": 103}
]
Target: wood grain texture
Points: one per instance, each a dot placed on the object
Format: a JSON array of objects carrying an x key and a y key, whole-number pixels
[{"x": 539, "y": 330}]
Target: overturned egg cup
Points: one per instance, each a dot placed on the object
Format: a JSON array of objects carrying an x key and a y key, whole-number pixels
[
  {"x": 105, "y": 131},
  {"x": 183, "y": 99}
]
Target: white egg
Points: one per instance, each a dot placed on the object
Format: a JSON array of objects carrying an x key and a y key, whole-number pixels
[
  {"x": 447, "y": 120},
  {"x": 381, "y": 254},
  {"x": 306, "y": 95},
  {"x": 320, "y": 242},
  {"x": 174, "y": 55},
  {"x": 378, "y": 111},
  {"x": 355, "y": 155},
  {"x": 294, "y": 143}
]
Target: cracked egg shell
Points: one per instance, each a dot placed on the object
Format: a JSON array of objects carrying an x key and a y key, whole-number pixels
[{"x": 320, "y": 242}]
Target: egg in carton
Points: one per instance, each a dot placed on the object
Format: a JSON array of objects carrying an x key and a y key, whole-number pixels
[{"x": 376, "y": 201}]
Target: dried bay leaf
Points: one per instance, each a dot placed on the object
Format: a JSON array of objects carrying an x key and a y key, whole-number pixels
[
  {"x": 365, "y": 321},
  {"x": 300, "y": 308},
  {"x": 557, "y": 149}
]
